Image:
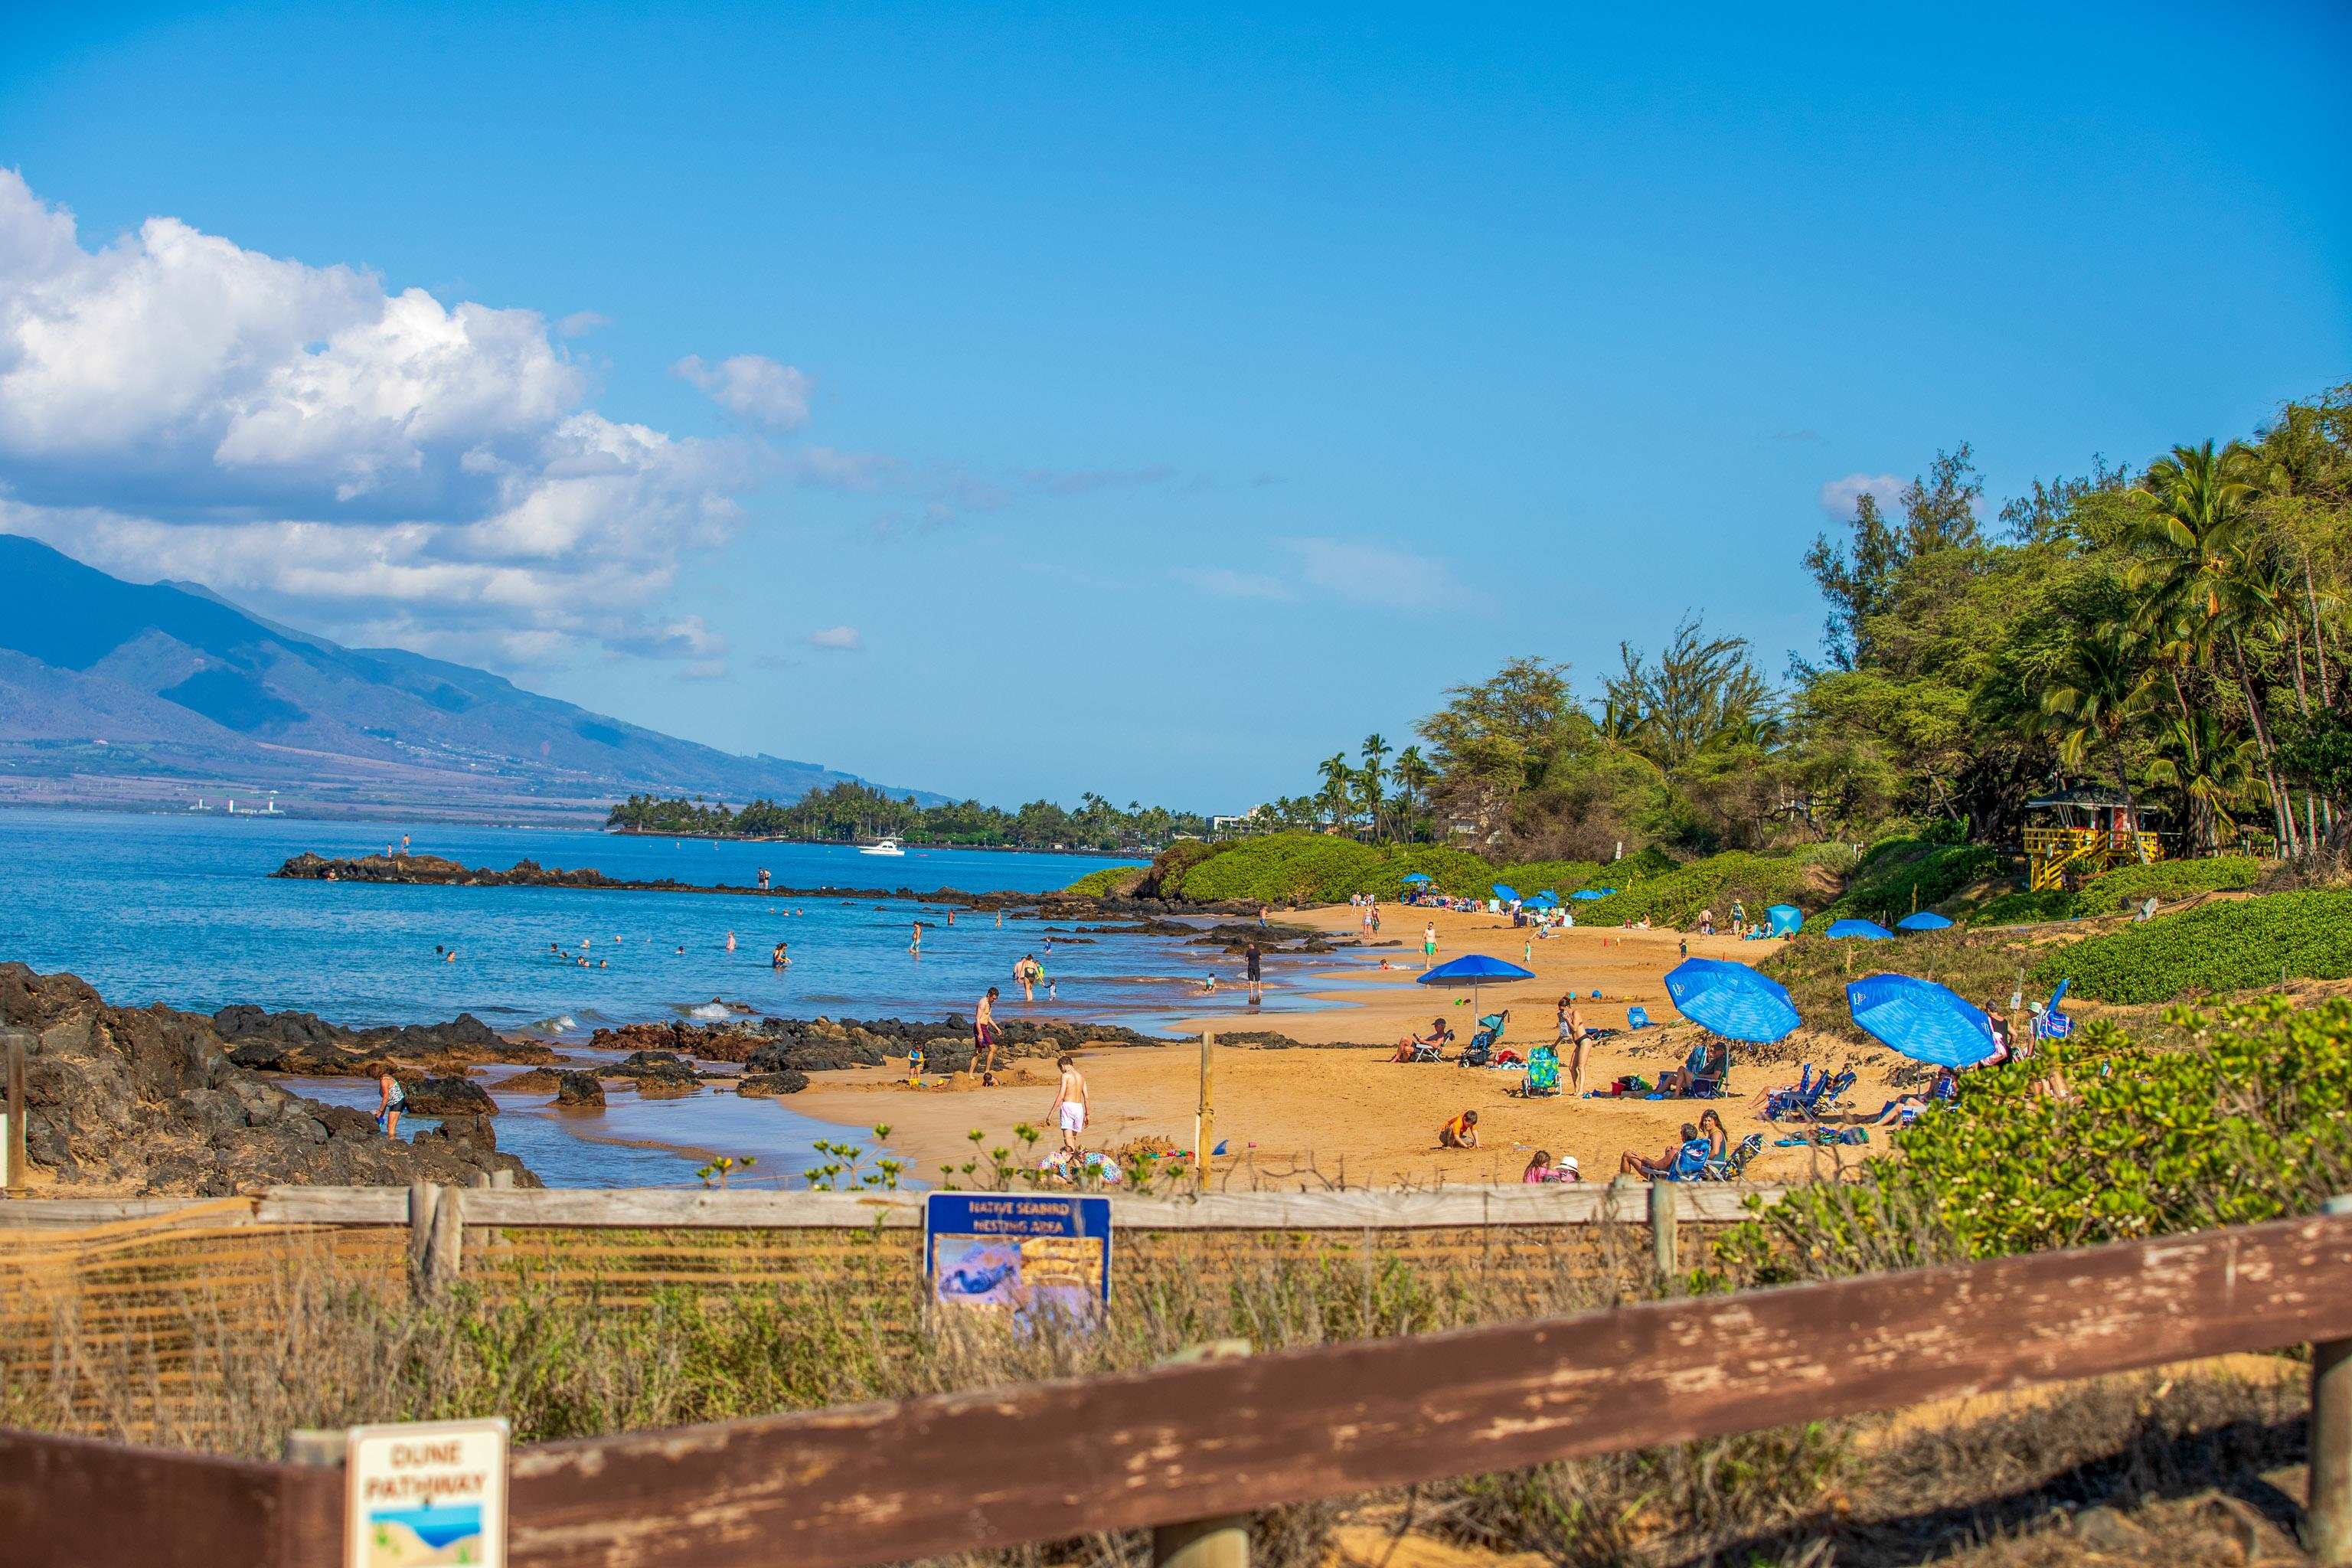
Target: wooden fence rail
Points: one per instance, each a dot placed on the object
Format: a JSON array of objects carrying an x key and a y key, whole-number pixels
[{"x": 968, "y": 1472}]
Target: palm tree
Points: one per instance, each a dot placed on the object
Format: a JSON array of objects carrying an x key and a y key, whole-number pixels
[
  {"x": 2097, "y": 691},
  {"x": 2212, "y": 768},
  {"x": 2200, "y": 549},
  {"x": 1376, "y": 750},
  {"x": 1337, "y": 778}
]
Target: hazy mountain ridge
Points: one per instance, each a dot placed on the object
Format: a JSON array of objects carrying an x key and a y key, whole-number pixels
[{"x": 124, "y": 692}]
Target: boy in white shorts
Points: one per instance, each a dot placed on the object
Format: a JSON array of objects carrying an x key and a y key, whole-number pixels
[{"x": 1070, "y": 1104}]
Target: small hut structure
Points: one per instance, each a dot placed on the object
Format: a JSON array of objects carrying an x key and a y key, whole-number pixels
[{"x": 2079, "y": 833}]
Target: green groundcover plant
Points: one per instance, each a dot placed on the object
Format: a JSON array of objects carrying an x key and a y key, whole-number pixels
[
  {"x": 2244, "y": 1123},
  {"x": 2121, "y": 888},
  {"x": 2232, "y": 946}
]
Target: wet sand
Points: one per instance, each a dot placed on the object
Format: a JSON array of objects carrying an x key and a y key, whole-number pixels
[{"x": 1293, "y": 1116}]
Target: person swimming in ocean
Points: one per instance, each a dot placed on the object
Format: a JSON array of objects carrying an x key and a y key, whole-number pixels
[
  {"x": 731, "y": 942},
  {"x": 777, "y": 959}
]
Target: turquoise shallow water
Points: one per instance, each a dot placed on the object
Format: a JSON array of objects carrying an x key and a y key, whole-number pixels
[{"x": 182, "y": 909}]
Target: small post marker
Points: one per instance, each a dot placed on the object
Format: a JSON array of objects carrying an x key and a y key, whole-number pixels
[
  {"x": 1661, "y": 1231},
  {"x": 2327, "y": 1511},
  {"x": 1221, "y": 1542}
]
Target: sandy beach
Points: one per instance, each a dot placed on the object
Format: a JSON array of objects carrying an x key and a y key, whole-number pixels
[{"x": 1293, "y": 1116}]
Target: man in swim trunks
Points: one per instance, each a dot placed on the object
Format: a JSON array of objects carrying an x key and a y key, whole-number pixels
[
  {"x": 1070, "y": 1103},
  {"x": 983, "y": 1037},
  {"x": 1252, "y": 958},
  {"x": 1429, "y": 941}
]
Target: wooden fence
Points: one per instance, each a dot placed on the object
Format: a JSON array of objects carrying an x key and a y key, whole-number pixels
[{"x": 1206, "y": 1442}]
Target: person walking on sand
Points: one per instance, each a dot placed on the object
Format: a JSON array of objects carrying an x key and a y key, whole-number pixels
[
  {"x": 1253, "y": 961},
  {"x": 1070, "y": 1103},
  {"x": 394, "y": 1101},
  {"x": 983, "y": 1037},
  {"x": 1429, "y": 941}
]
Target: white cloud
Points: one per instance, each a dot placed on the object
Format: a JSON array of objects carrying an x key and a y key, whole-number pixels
[
  {"x": 841, "y": 639},
  {"x": 376, "y": 465},
  {"x": 1228, "y": 583},
  {"x": 580, "y": 323},
  {"x": 752, "y": 387},
  {"x": 1839, "y": 497},
  {"x": 1375, "y": 574}
]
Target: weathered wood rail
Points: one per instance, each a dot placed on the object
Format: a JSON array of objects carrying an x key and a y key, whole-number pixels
[
  {"x": 770, "y": 1209},
  {"x": 969, "y": 1472}
]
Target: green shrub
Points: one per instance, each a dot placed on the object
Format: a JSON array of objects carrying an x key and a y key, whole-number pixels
[
  {"x": 2025, "y": 908},
  {"x": 1111, "y": 881},
  {"x": 2246, "y": 1123},
  {"x": 1900, "y": 874},
  {"x": 2167, "y": 879},
  {"x": 2234, "y": 946},
  {"x": 1678, "y": 896}
]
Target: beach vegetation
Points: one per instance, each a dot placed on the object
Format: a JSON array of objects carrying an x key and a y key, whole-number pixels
[
  {"x": 2235, "y": 945},
  {"x": 848, "y": 812},
  {"x": 2235, "y": 1115}
]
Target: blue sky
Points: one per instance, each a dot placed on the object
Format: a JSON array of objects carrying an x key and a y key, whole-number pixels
[{"x": 1144, "y": 399}]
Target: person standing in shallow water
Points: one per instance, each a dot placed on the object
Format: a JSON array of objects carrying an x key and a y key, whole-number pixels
[
  {"x": 915, "y": 946},
  {"x": 394, "y": 1101},
  {"x": 983, "y": 1037},
  {"x": 1253, "y": 961}
]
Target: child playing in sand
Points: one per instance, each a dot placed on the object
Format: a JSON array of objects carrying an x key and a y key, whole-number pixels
[{"x": 1461, "y": 1132}]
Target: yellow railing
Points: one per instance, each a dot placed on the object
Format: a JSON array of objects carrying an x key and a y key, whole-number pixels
[{"x": 2051, "y": 853}]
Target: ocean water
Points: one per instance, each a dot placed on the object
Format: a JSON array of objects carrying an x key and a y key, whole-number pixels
[{"x": 180, "y": 908}]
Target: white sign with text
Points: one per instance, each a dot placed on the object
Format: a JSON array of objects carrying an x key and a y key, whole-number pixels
[{"x": 428, "y": 1494}]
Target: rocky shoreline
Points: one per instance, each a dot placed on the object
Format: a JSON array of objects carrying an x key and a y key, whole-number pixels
[
  {"x": 435, "y": 870},
  {"x": 149, "y": 1100}
]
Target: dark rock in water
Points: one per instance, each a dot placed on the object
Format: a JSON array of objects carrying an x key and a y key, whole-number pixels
[
  {"x": 712, "y": 1042},
  {"x": 306, "y": 1045},
  {"x": 449, "y": 1097},
  {"x": 579, "y": 1090},
  {"x": 538, "y": 1080},
  {"x": 771, "y": 1083},
  {"x": 471, "y": 1132},
  {"x": 659, "y": 1075},
  {"x": 149, "y": 1101}
]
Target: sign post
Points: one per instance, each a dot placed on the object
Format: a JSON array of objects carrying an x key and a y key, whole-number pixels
[
  {"x": 11, "y": 1115},
  {"x": 426, "y": 1492},
  {"x": 1020, "y": 1250},
  {"x": 1204, "y": 1121}
]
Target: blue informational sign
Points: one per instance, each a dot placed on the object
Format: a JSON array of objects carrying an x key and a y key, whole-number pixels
[{"x": 1020, "y": 1250}]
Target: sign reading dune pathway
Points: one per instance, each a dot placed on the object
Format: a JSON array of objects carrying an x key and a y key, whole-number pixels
[{"x": 427, "y": 1493}]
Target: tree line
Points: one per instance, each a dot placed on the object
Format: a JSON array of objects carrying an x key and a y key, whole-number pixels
[
  {"x": 852, "y": 812},
  {"x": 2171, "y": 635}
]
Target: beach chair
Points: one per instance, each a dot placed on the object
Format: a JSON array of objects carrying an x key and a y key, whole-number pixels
[
  {"x": 1481, "y": 1049},
  {"x": 1690, "y": 1162},
  {"x": 1543, "y": 1074},
  {"x": 1735, "y": 1160},
  {"x": 1810, "y": 1098},
  {"x": 1433, "y": 1050}
]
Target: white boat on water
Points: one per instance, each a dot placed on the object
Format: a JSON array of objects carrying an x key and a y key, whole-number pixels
[{"x": 882, "y": 846}]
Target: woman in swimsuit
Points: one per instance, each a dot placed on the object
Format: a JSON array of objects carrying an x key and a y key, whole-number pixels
[{"x": 394, "y": 1101}]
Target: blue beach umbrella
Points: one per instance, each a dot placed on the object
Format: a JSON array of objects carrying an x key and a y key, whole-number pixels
[
  {"x": 1472, "y": 968},
  {"x": 1925, "y": 1021},
  {"x": 1417, "y": 877},
  {"x": 1924, "y": 920},
  {"x": 1588, "y": 894},
  {"x": 1506, "y": 892},
  {"x": 1869, "y": 931},
  {"x": 1788, "y": 920},
  {"x": 1731, "y": 999},
  {"x": 1547, "y": 899}
]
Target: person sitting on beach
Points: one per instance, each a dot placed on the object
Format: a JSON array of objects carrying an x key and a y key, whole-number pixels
[
  {"x": 1906, "y": 1107},
  {"x": 1718, "y": 1137},
  {"x": 1438, "y": 1037},
  {"x": 1540, "y": 1169},
  {"x": 1461, "y": 1132},
  {"x": 1708, "y": 1062},
  {"x": 1632, "y": 1164}
]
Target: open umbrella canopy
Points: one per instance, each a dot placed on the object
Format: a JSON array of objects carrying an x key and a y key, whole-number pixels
[
  {"x": 1731, "y": 999},
  {"x": 1547, "y": 899},
  {"x": 1922, "y": 919},
  {"x": 1788, "y": 920},
  {"x": 1869, "y": 931},
  {"x": 1589, "y": 893},
  {"x": 1925, "y": 1021},
  {"x": 1506, "y": 892},
  {"x": 1472, "y": 968},
  {"x": 1417, "y": 877}
]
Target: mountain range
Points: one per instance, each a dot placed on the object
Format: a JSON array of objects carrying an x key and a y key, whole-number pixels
[{"x": 126, "y": 693}]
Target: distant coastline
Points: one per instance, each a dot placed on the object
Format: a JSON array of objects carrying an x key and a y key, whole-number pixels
[{"x": 1140, "y": 857}]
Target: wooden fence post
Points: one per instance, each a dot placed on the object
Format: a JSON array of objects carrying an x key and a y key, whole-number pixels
[
  {"x": 422, "y": 1197},
  {"x": 1220, "y": 1542},
  {"x": 12, "y": 1157},
  {"x": 1204, "y": 1121},
  {"x": 1661, "y": 1231},
  {"x": 2327, "y": 1511},
  {"x": 444, "y": 1251}
]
